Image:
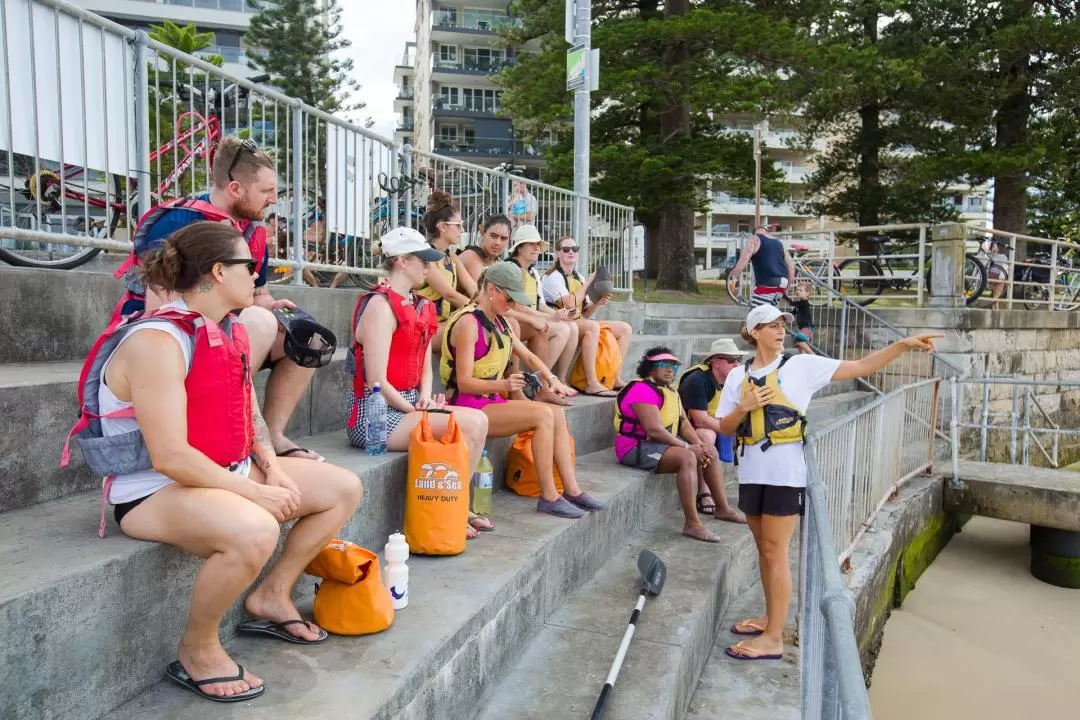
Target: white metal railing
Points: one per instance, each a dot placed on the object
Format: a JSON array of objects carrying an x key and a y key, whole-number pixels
[{"x": 99, "y": 122}]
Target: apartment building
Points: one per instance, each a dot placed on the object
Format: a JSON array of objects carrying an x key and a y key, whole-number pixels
[
  {"x": 227, "y": 19},
  {"x": 446, "y": 100}
]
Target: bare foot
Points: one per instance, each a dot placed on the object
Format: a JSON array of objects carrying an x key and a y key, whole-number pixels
[
  {"x": 731, "y": 515},
  {"x": 266, "y": 606},
  {"x": 549, "y": 396},
  {"x": 700, "y": 532},
  {"x": 212, "y": 662}
]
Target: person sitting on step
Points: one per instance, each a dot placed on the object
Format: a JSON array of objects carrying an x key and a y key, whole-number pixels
[
  {"x": 448, "y": 285},
  {"x": 763, "y": 404},
  {"x": 648, "y": 422},
  {"x": 699, "y": 391},
  {"x": 477, "y": 348},
  {"x": 564, "y": 288},
  {"x": 554, "y": 336},
  {"x": 174, "y": 388},
  {"x": 393, "y": 329},
  {"x": 245, "y": 185}
]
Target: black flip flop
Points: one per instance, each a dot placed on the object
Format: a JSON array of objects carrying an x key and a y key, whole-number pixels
[
  {"x": 701, "y": 505},
  {"x": 180, "y": 676},
  {"x": 601, "y": 394},
  {"x": 292, "y": 451},
  {"x": 277, "y": 630}
]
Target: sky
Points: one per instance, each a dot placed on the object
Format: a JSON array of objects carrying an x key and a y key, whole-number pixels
[{"x": 377, "y": 46}]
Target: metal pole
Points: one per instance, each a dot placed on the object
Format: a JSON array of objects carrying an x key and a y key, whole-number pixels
[
  {"x": 922, "y": 266},
  {"x": 757, "y": 176},
  {"x": 583, "y": 38},
  {"x": 297, "y": 190},
  {"x": 142, "y": 131}
]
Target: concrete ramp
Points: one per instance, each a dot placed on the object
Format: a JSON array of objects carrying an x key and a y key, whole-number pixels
[{"x": 1037, "y": 496}]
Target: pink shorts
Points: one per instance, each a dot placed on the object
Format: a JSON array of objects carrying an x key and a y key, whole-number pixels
[{"x": 478, "y": 402}]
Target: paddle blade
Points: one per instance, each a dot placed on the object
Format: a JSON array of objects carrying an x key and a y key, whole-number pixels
[{"x": 653, "y": 572}]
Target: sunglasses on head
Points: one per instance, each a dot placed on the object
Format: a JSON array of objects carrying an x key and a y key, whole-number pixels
[
  {"x": 251, "y": 263},
  {"x": 250, "y": 145}
]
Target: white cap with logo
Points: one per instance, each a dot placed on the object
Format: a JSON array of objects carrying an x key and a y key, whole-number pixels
[{"x": 406, "y": 241}]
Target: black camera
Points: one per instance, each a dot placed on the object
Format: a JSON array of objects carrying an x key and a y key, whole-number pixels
[{"x": 532, "y": 385}]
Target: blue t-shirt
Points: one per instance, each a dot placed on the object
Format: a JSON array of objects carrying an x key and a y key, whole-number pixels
[{"x": 177, "y": 218}]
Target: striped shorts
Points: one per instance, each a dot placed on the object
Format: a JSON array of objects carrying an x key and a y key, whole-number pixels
[
  {"x": 358, "y": 435},
  {"x": 763, "y": 295}
]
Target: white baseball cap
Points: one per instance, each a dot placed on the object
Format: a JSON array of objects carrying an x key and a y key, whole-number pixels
[
  {"x": 764, "y": 314},
  {"x": 405, "y": 241}
]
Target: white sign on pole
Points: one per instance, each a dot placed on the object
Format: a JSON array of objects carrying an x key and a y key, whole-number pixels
[
  {"x": 637, "y": 248},
  {"x": 594, "y": 69},
  {"x": 347, "y": 206},
  {"x": 85, "y": 102},
  {"x": 570, "y": 28}
]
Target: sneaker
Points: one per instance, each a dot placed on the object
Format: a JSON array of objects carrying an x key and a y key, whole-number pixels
[
  {"x": 585, "y": 501},
  {"x": 561, "y": 507}
]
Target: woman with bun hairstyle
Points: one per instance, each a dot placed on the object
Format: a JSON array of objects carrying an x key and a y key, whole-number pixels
[
  {"x": 448, "y": 285},
  {"x": 763, "y": 404},
  {"x": 393, "y": 328},
  {"x": 170, "y": 417},
  {"x": 477, "y": 347}
]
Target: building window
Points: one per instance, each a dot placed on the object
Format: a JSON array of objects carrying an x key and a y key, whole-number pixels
[
  {"x": 448, "y": 54},
  {"x": 481, "y": 100},
  {"x": 484, "y": 58},
  {"x": 448, "y": 134},
  {"x": 446, "y": 17},
  {"x": 975, "y": 203},
  {"x": 449, "y": 96},
  {"x": 483, "y": 19}
]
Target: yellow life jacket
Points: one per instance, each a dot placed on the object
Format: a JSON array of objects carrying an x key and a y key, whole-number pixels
[
  {"x": 670, "y": 411},
  {"x": 777, "y": 423},
  {"x": 705, "y": 368},
  {"x": 448, "y": 269},
  {"x": 573, "y": 284},
  {"x": 500, "y": 342},
  {"x": 532, "y": 287}
]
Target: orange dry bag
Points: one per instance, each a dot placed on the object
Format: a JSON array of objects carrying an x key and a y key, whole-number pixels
[
  {"x": 437, "y": 490},
  {"x": 351, "y": 599},
  {"x": 521, "y": 475},
  {"x": 608, "y": 362}
]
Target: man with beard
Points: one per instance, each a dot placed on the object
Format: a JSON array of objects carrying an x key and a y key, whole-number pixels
[{"x": 245, "y": 185}]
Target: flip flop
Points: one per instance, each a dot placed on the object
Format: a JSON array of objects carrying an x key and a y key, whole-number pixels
[
  {"x": 180, "y": 676},
  {"x": 292, "y": 451},
  {"x": 701, "y": 506},
  {"x": 737, "y": 656},
  {"x": 751, "y": 633},
  {"x": 482, "y": 524},
  {"x": 709, "y": 537},
  {"x": 602, "y": 393},
  {"x": 277, "y": 630}
]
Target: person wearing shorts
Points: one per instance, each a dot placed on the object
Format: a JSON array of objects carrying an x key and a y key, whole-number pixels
[
  {"x": 648, "y": 423},
  {"x": 393, "y": 330},
  {"x": 771, "y": 468}
]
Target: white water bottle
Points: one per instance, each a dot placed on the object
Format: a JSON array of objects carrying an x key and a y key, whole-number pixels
[{"x": 396, "y": 553}]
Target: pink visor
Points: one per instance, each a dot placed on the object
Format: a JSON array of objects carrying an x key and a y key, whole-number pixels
[{"x": 663, "y": 356}]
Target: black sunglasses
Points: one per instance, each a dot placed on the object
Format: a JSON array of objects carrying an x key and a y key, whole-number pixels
[
  {"x": 569, "y": 248},
  {"x": 250, "y": 145},
  {"x": 251, "y": 263}
]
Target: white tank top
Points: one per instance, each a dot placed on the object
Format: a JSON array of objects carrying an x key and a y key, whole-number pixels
[{"x": 130, "y": 487}]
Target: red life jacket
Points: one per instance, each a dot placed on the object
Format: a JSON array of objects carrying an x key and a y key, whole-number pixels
[
  {"x": 416, "y": 325},
  {"x": 254, "y": 233},
  {"x": 218, "y": 385}
]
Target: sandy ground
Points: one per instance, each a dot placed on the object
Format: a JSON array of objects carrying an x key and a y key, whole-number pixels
[{"x": 980, "y": 638}]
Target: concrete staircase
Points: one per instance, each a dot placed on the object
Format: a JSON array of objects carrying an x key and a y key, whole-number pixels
[{"x": 528, "y": 616}]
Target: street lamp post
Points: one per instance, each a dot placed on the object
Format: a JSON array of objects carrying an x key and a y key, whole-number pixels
[{"x": 760, "y": 131}]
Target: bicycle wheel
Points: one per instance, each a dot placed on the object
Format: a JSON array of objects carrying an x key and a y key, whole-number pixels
[
  {"x": 1035, "y": 297},
  {"x": 822, "y": 294},
  {"x": 741, "y": 295},
  {"x": 33, "y": 198},
  {"x": 865, "y": 280}
]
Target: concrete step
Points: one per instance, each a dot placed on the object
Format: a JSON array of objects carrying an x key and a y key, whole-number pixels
[
  {"x": 691, "y": 312},
  {"x": 713, "y": 326},
  {"x": 38, "y": 402},
  {"x": 734, "y": 690},
  {"x": 89, "y": 612},
  {"x": 829, "y": 407},
  {"x": 563, "y": 670},
  {"x": 470, "y": 616}
]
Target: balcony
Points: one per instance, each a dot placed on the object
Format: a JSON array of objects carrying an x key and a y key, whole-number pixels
[
  {"x": 441, "y": 108},
  {"x": 724, "y": 204},
  {"x": 229, "y": 53},
  {"x": 404, "y": 99},
  {"x": 405, "y": 126},
  {"x": 490, "y": 147},
  {"x": 443, "y": 71},
  {"x": 451, "y": 30}
]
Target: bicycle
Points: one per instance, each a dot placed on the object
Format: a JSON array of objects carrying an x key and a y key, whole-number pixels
[
  {"x": 869, "y": 280},
  {"x": 38, "y": 194},
  {"x": 1035, "y": 272},
  {"x": 808, "y": 264}
]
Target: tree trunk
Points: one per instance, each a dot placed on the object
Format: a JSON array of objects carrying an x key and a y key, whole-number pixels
[
  {"x": 1010, "y": 186},
  {"x": 676, "y": 228},
  {"x": 651, "y": 221},
  {"x": 869, "y": 144}
]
